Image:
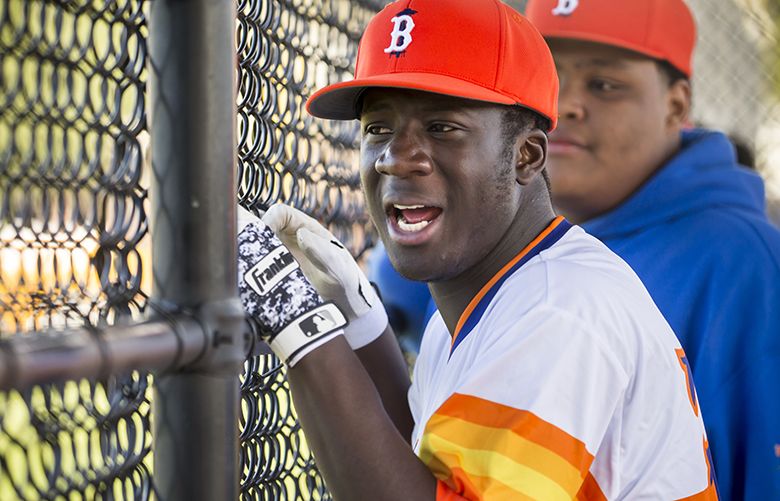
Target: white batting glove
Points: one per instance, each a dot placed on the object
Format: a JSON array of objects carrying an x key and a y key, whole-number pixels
[
  {"x": 332, "y": 270},
  {"x": 292, "y": 315}
]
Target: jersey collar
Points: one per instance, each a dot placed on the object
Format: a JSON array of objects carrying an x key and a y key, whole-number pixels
[{"x": 477, "y": 306}]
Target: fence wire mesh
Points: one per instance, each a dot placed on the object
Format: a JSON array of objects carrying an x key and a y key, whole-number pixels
[
  {"x": 72, "y": 144},
  {"x": 735, "y": 88},
  {"x": 72, "y": 225},
  {"x": 73, "y": 221},
  {"x": 287, "y": 49}
]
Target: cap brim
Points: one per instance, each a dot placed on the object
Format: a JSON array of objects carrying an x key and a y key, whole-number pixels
[
  {"x": 615, "y": 42},
  {"x": 339, "y": 101}
]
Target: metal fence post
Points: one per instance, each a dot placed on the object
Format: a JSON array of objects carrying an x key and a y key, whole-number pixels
[{"x": 192, "y": 75}]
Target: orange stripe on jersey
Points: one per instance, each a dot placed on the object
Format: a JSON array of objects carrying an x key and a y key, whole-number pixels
[
  {"x": 456, "y": 482},
  {"x": 464, "y": 486},
  {"x": 507, "y": 452},
  {"x": 523, "y": 423},
  {"x": 590, "y": 490},
  {"x": 444, "y": 493},
  {"x": 478, "y": 488},
  {"x": 488, "y": 470},
  {"x": 484, "y": 449},
  {"x": 475, "y": 300}
]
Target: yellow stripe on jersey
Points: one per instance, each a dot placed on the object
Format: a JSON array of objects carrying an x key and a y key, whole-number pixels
[
  {"x": 470, "y": 492},
  {"x": 493, "y": 473},
  {"x": 506, "y": 445},
  {"x": 497, "y": 447}
]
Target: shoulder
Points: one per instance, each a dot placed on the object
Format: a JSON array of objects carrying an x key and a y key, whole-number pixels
[
  {"x": 694, "y": 264},
  {"x": 580, "y": 288},
  {"x": 584, "y": 278},
  {"x": 714, "y": 235}
]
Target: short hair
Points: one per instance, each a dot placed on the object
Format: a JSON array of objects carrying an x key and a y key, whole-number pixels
[
  {"x": 517, "y": 119},
  {"x": 671, "y": 73}
]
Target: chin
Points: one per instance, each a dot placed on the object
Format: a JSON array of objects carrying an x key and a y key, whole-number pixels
[
  {"x": 415, "y": 272},
  {"x": 413, "y": 267}
]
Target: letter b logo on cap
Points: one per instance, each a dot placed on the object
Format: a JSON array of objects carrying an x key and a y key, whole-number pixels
[
  {"x": 565, "y": 7},
  {"x": 402, "y": 32}
]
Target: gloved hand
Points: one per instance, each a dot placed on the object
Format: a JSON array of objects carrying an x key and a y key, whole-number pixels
[
  {"x": 332, "y": 270},
  {"x": 294, "y": 318}
]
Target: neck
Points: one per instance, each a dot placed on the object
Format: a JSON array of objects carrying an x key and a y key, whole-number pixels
[
  {"x": 452, "y": 296},
  {"x": 580, "y": 213}
]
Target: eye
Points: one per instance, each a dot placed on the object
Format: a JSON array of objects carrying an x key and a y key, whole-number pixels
[
  {"x": 602, "y": 85},
  {"x": 441, "y": 127},
  {"x": 376, "y": 130}
]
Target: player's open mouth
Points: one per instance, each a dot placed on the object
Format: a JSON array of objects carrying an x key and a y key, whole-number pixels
[
  {"x": 412, "y": 218},
  {"x": 408, "y": 222}
]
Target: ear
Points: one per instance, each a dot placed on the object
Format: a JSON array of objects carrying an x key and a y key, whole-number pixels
[
  {"x": 531, "y": 155},
  {"x": 678, "y": 99}
]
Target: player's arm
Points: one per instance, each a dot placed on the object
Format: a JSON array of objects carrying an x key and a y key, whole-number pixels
[
  {"x": 359, "y": 450},
  {"x": 383, "y": 361},
  {"x": 335, "y": 274}
]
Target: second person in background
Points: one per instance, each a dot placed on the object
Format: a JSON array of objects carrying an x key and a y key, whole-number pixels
[{"x": 674, "y": 203}]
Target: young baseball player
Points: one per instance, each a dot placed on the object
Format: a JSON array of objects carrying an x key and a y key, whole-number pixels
[
  {"x": 676, "y": 206},
  {"x": 548, "y": 372}
]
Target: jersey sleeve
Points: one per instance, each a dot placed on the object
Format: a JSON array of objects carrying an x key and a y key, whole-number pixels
[{"x": 528, "y": 415}]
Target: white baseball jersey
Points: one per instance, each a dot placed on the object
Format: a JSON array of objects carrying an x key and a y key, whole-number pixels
[{"x": 562, "y": 381}]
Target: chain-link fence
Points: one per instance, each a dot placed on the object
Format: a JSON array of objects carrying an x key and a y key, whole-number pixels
[
  {"x": 73, "y": 202},
  {"x": 288, "y": 49},
  {"x": 75, "y": 250},
  {"x": 734, "y": 87}
]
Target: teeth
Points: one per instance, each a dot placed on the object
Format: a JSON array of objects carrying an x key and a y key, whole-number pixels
[
  {"x": 412, "y": 227},
  {"x": 407, "y": 207}
]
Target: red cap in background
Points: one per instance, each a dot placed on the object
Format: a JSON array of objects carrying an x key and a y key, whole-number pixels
[
  {"x": 660, "y": 29},
  {"x": 474, "y": 49}
]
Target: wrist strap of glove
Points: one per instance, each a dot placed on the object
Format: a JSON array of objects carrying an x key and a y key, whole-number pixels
[
  {"x": 307, "y": 332},
  {"x": 366, "y": 328}
]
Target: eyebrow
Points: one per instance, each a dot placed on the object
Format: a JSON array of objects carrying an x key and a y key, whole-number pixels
[
  {"x": 379, "y": 105},
  {"x": 601, "y": 63}
]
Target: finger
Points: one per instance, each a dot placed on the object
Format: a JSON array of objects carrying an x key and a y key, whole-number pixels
[
  {"x": 287, "y": 219},
  {"x": 326, "y": 254},
  {"x": 278, "y": 218}
]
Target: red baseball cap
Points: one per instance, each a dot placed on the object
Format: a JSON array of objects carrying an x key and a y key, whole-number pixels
[
  {"x": 660, "y": 29},
  {"x": 474, "y": 49}
]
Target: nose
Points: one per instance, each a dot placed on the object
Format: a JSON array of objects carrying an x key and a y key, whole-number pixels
[
  {"x": 405, "y": 154},
  {"x": 571, "y": 105}
]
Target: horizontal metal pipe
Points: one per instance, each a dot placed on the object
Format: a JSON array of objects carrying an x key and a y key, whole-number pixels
[{"x": 53, "y": 356}]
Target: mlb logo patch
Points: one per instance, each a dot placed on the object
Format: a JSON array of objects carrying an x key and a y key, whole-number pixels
[{"x": 318, "y": 323}]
